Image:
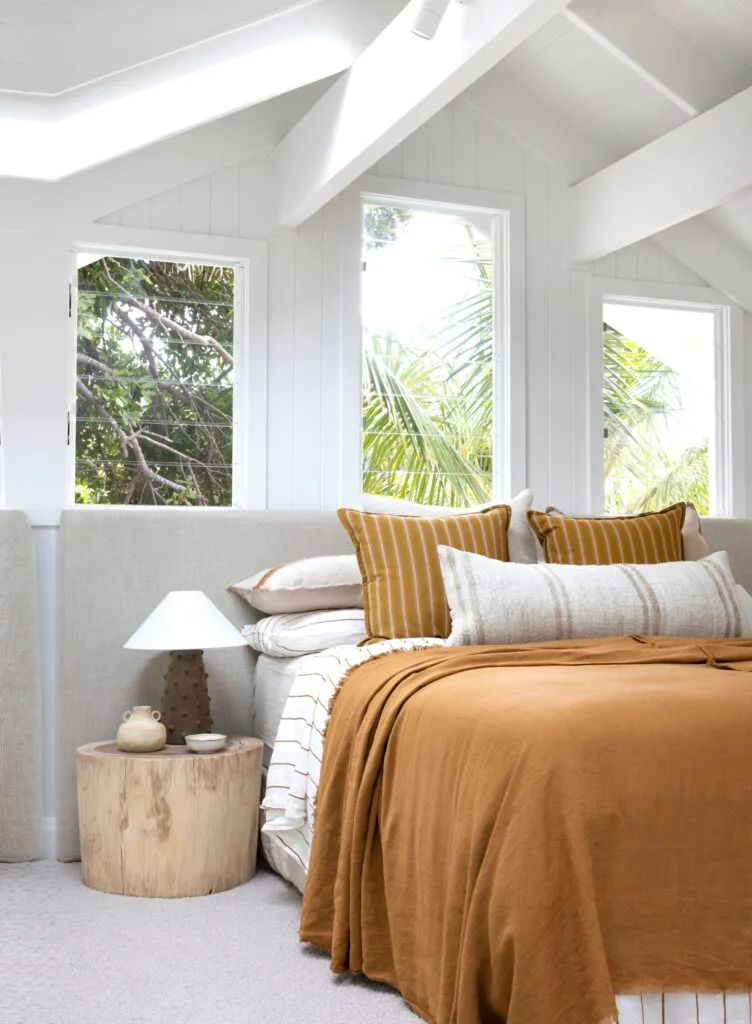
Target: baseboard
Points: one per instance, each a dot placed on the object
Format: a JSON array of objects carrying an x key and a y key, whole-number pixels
[{"x": 49, "y": 838}]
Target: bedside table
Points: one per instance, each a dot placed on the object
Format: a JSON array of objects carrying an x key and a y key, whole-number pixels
[{"x": 170, "y": 823}]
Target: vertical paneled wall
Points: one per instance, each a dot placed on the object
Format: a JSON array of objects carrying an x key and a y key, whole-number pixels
[{"x": 314, "y": 344}]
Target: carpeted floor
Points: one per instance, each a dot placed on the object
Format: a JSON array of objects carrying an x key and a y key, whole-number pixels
[{"x": 69, "y": 955}]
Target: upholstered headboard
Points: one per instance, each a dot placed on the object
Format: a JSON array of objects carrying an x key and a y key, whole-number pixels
[
  {"x": 734, "y": 536},
  {"x": 115, "y": 566},
  {"x": 20, "y": 693}
]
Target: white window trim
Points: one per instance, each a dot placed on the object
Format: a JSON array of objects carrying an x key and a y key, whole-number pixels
[
  {"x": 510, "y": 414},
  {"x": 249, "y": 258},
  {"x": 730, "y": 436}
]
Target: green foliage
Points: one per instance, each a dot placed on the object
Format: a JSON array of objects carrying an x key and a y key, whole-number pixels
[
  {"x": 383, "y": 224},
  {"x": 428, "y": 416},
  {"x": 154, "y": 383}
]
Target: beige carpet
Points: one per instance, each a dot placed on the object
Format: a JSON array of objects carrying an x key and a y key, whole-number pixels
[{"x": 69, "y": 955}]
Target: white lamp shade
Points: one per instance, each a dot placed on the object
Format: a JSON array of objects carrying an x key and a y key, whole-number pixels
[{"x": 186, "y": 620}]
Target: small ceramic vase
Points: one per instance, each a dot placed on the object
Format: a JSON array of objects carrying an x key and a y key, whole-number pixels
[{"x": 141, "y": 730}]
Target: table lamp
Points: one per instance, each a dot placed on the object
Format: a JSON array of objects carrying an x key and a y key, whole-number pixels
[{"x": 185, "y": 623}]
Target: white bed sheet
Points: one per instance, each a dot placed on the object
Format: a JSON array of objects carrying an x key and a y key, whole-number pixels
[
  {"x": 273, "y": 679},
  {"x": 288, "y": 816}
]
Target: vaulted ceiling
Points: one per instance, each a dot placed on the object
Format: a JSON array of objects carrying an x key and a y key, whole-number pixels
[{"x": 646, "y": 105}]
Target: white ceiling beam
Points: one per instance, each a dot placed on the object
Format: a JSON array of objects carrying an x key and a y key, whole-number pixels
[
  {"x": 50, "y": 137},
  {"x": 712, "y": 256},
  {"x": 696, "y": 244},
  {"x": 698, "y": 166},
  {"x": 654, "y": 50},
  {"x": 393, "y": 88},
  {"x": 102, "y": 190}
]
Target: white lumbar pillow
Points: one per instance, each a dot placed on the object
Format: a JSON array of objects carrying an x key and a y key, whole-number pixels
[
  {"x": 522, "y": 542},
  {"x": 493, "y": 602},
  {"x": 289, "y": 636}
]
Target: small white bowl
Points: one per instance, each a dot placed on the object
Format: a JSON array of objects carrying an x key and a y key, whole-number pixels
[{"x": 205, "y": 742}]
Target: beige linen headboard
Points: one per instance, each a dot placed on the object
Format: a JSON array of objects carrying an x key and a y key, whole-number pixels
[
  {"x": 20, "y": 693},
  {"x": 115, "y": 566}
]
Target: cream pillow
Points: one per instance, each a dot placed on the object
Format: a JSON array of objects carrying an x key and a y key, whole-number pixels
[
  {"x": 521, "y": 539},
  {"x": 296, "y": 633},
  {"x": 329, "y": 581},
  {"x": 494, "y": 602}
]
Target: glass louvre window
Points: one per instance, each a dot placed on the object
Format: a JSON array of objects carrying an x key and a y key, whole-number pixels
[
  {"x": 154, "y": 383},
  {"x": 659, "y": 407},
  {"x": 428, "y": 340}
]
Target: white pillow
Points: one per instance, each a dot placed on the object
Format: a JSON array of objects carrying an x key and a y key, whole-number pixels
[
  {"x": 744, "y": 600},
  {"x": 329, "y": 581},
  {"x": 287, "y": 636},
  {"x": 522, "y": 540},
  {"x": 493, "y": 602}
]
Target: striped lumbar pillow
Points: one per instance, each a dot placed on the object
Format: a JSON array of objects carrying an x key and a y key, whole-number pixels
[
  {"x": 644, "y": 539},
  {"x": 495, "y": 603},
  {"x": 403, "y": 593}
]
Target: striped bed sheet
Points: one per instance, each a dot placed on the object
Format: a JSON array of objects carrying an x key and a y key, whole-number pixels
[{"x": 288, "y": 812}]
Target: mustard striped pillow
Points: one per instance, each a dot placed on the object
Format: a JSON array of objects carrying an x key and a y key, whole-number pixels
[
  {"x": 403, "y": 592},
  {"x": 648, "y": 538}
]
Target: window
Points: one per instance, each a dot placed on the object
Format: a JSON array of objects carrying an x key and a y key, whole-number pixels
[
  {"x": 155, "y": 379},
  {"x": 659, "y": 407},
  {"x": 428, "y": 353}
]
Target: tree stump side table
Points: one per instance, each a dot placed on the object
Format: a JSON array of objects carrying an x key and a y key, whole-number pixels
[{"x": 171, "y": 823}]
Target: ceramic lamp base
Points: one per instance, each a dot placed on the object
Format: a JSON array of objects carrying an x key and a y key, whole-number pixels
[{"x": 185, "y": 698}]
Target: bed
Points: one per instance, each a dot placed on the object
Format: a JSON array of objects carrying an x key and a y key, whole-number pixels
[{"x": 383, "y": 900}]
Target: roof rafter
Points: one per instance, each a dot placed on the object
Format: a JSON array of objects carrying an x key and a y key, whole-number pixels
[
  {"x": 696, "y": 244},
  {"x": 698, "y": 166},
  {"x": 653, "y": 50},
  {"x": 393, "y": 88}
]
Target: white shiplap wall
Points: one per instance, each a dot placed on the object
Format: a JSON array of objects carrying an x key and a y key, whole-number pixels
[{"x": 311, "y": 429}]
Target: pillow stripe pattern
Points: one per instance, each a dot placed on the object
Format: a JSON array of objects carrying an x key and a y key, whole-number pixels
[
  {"x": 403, "y": 591},
  {"x": 289, "y": 636},
  {"x": 648, "y": 538},
  {"x": 507, "y": 603}
]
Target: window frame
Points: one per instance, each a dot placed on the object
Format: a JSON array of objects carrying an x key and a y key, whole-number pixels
[
  {"x": 250, "y": 262},
  {"x": 509, "y": 444},
  {"x": 727, "y": 462}
]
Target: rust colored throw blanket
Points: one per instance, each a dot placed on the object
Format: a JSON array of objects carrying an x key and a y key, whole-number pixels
[{"x": 515, "y": 833}]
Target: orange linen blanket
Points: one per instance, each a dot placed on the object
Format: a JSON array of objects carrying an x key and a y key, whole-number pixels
[{"x": 514, "y": 833}]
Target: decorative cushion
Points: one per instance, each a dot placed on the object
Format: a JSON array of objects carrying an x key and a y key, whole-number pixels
[
  {"x": 693, "y": 543},
  {"x": 403, "y": 592},
  {"x": 329, "y": 581},
  {"x": 493, "y": 602},
  {"x": 522, "y": 544},
  {"x": 644, "y": 539},
  {"x": 287, "y": 636}
]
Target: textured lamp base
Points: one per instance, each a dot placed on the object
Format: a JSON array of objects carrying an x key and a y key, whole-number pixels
[{"x": 185, "y": 698}]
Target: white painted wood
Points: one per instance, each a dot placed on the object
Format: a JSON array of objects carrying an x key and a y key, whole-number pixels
[
  {"x": 350, "y": 402},
  {"x": 307, "y": 411},
  {"x": 659, "y": 186},
  {"x": 538, "y": 327},
  {"x": 35, "y": 358},
  {"x": 718, "y": 260},
  {"x": 658, "y": 54},
  {"x": 281, "y": 370},
  {"x": 50, "y": 137},
  {"x": 346, "y": 131}
]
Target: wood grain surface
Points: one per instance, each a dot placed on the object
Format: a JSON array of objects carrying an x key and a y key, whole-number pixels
[{"x": 168, "y": 823}]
